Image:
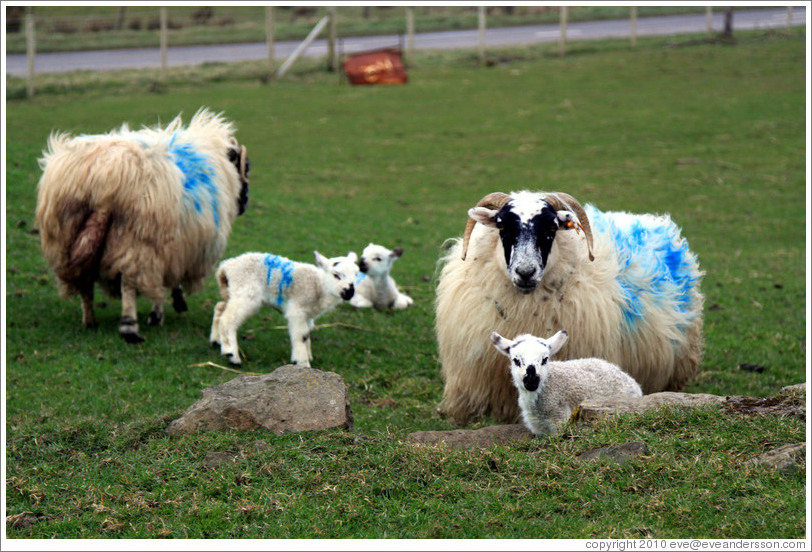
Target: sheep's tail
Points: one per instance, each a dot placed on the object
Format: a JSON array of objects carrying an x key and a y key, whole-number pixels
[{"x": 87, "y": 248}]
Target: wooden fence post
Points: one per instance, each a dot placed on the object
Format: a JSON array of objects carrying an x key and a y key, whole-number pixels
[
  {"x": 634, "y": 26},
  {"x": 30, "y": 49},
  {"x": 164, "y": 44},
  {"x": 410, "y": 34},
  {"x": 269, "y": 38},
  {"x": 562, "y": 38},
  {"x": 331, "y": 40},
  {"x": 481, "y": 25},
  {"x": 709, "y": 21}
]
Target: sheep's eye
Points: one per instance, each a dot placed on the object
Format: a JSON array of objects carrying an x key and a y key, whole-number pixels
[
  {"x": 376, "y": 259},
  {"x": 337, "y": 276},
  {"x": 499, "y": 224},
  {"x": 543, "y": 361},
  {"x": 516, "y": 361}
]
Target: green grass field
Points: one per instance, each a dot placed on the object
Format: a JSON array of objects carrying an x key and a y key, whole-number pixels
[{"x": 712, "y": 134}]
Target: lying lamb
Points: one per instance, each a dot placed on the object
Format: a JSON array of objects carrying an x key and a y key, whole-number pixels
[
  {"x": 301, "y": 291},
  {"x": 549, "y": 391},
  {"x": 376, "y": 288}
]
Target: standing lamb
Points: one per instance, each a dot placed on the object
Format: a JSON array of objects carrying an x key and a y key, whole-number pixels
[
  {"x": 376, "y": 288},
  {"x": 140, "y": 211},
  {"x": 550, "y": 390},
  {"x": 534, "y": 262},
  {"x": 301, "y": 291}
]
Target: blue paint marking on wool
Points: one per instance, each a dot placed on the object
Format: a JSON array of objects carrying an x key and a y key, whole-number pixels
[
  {"x": 198, "y": 183},
  {"x": 285, "y": 267},
  {"x": 360, "y": 278},
  {"x": 654, "y": 262}
]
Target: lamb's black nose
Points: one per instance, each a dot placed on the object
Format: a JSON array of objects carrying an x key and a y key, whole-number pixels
[
  {"x": 362, "y": 266},
  {"x": 531, "y": 380},
  {"x": 347, "y": 293}
]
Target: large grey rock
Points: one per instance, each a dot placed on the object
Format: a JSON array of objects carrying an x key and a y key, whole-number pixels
[
  {"x": 289, "y": 399},
  {"x": 473, "y": 438}
]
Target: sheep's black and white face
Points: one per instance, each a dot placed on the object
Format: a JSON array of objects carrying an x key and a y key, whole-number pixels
[
  {"x": 239, "y": 158},
  {"x": 529, "y": 357},
  {"x": 340, "y": 274},
  {"x": 377, "y": 260},
  {"x": 527, "y": 227}
]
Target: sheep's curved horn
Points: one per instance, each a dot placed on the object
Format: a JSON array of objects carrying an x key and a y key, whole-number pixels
[
  {"x": 561, "y": 200},
  {"x": 495, "y": 200},
  {"x": 243, "y": 161}
]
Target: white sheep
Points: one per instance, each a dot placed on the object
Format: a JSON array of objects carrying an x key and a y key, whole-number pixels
[
  {"x": 141, "y": 211},
  {"x": 375, "y": 287},
  {"x": 532, "y": 262},
  {"x": 301, "y": 291},
  {"x": 549, "y": 391}
]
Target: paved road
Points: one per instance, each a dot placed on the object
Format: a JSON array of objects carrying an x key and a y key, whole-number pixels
[{"x": 16, "y": 65}]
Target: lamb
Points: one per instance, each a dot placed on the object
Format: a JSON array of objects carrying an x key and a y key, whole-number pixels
[
  {"x": 549, "y": 391},
  {"x": 140, "y": 211},
  {"x": 376, "y": 288},
  {"x": 533, "y": 262},
  {"x": 301, "y": 291}
]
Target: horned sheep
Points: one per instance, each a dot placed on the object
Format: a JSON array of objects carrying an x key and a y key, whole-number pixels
[
  {"x": 549, "y": 391},
  {"x": 376, "y": 288},
  {"x": 301, "y": 291},
  {"x": 532, "y": 263},
  {"x": 140, "y": 211}
]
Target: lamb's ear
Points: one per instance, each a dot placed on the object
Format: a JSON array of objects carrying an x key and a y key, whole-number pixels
[
  {"x": 502, "y": 345},
  {"x": 483, "y": 215},
  {"x": 353, "y": 258},
  {"x": 321, "y": 260},
  {"x": 557, "y": 341},
  {"x": 396, "y": 253}
]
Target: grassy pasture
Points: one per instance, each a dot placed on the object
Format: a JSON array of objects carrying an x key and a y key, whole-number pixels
[{"x": 714, "y": 135}]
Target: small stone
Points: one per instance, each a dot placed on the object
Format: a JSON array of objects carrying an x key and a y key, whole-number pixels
[
  {"x": 619, "y": 453},
  {"x": 787, "y": 459}
]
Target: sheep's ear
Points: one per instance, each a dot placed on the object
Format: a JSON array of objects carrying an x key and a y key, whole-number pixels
[
  {"x": 483, "y": 215},
  {"x": 502, "y": 345},
  {"x": 353, "y": 258},
  {"x": 557, "y": 341},
  {"x": 321, "y": 260},
  {"x": 396, "y": 253}
]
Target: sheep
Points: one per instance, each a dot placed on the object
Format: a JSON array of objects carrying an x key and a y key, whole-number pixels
[
  {"x": 549, "y": 391},
  {"x": 375, "y": 287},
  {"x": 301, "y": 291},
  {"x": 532, "y": 262},
  {"x": 140, "y": 211}
]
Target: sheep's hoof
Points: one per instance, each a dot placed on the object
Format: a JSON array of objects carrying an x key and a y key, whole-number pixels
[
  {"x": 179, "y": 301},
  {"x": 234, "y": 362},
  {"x": 155, "y": 319},
  {"x": 132, "y": 337}
]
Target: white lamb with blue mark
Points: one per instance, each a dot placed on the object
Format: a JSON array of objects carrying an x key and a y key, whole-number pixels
[
  {"x": 549, "y": 391},
  {"x": 375, "y": 287},
  {"x": 301, "y": 291}
]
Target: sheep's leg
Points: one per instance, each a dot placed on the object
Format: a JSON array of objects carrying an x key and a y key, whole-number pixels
[
  {"x": 88, "y": 314},
  {"x": 128, "y": 328},
  {"x": 234, "y": 314},
  {"x": 299, "y": 330},
  {"x": 360, "y": 302},
  {"x": 310, "y": 340},
  {"x": 156, "y": 314},
  {"x": 214, "y": 336},
  {"x": 179, "y": 300}
]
